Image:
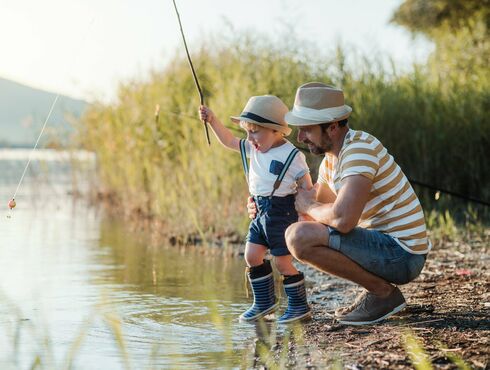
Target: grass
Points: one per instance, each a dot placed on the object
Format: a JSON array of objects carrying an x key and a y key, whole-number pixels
[
  {"x": 419, "y": 358},
  {"x": 437, "y": 129},
  {"x": 273, "y": 348}
]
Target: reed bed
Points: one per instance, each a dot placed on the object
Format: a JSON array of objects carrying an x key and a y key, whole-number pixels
[{"x": 436, "y": 127}]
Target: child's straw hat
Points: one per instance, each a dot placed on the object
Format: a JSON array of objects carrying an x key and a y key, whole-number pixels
[{"x": 267, "y": 111}]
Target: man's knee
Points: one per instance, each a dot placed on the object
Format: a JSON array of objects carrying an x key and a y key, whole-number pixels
[
  {"x": 302, "y": 237},
  {"x": 297, "y": 240}
]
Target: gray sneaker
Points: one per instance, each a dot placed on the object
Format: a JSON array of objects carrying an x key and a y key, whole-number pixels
[
  {"x": 341, "y": 311},
  {"x": 371, "y": 309}
]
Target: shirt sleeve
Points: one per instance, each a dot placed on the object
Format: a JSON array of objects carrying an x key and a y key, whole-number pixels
[
  {"x": 299, "y": 167},
  {"x": 359, "y": 159}
]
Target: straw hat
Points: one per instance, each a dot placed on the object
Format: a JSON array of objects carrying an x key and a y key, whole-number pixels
[
  {"x": 317, "y": 103},
  {"x": 267, "y": 111}
]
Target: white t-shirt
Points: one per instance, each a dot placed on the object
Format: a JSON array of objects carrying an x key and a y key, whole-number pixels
[{"x": 261, "y": 180}]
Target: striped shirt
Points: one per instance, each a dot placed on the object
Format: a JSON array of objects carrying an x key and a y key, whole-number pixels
[{"x": 392, "y": 207}]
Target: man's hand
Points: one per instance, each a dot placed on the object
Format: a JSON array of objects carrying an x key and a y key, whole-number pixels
[
  {"x": 305, "y": 199},
  {"x": 303, "y": 217},
  {"x": 251, "y": 208},
  {"x": 345, "y": 212}
]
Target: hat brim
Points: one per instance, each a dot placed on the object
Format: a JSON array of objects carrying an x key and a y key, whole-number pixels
[
  {"x": 292, "y": 119},
  {"x": 284, "y": 129}
]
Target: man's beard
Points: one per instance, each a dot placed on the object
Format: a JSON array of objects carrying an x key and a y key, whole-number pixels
[{"x": 325, "y": 146}]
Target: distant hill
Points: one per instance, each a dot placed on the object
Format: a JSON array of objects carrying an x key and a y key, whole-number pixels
[{"x": 23, "y": 110}]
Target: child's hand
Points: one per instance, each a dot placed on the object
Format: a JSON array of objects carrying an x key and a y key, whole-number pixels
[
  {"x": 251, "y": 208},
  {"x": 206, "y": 114}
]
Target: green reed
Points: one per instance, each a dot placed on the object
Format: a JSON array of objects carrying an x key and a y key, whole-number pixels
[
  {"x": 419, "y": 357},
  {"x": 438, "y": 130}
]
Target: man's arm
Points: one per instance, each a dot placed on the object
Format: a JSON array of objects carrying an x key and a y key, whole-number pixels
[
  {"x": 324, "y": 194},
  {"x": 344, "y": 213}
]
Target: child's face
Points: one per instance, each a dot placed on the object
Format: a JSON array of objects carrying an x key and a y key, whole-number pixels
[{"x": 263, "y": 138}]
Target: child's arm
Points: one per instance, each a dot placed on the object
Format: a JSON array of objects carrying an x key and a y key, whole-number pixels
[
  {"x": 224, "y": 135},
  {"x": 305, "y": 182}
]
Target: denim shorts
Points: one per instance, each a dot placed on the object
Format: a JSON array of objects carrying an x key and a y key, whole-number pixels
[
  {"x": 378, "y": 253},
  {"x": 274, "y": 215}
]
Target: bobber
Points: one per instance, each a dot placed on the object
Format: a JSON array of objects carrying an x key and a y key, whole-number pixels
[{"x": 12, "y": 203}]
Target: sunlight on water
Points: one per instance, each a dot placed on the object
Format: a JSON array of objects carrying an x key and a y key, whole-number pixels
[{"x": 61, "y": 258}]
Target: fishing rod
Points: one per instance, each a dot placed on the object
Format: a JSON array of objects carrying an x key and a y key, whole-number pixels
[
  {"x": 432, "y": 187},
  {"x": 450, "y": 192},
  {"x": 201, "y": 96}
]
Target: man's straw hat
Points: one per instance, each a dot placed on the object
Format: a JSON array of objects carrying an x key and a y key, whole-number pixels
[
  {"x": 317, "y": 103},
  {"x": 267, "y": 111}
]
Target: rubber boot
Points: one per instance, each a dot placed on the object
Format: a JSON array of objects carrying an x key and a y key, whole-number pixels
[
  {"x": 298, "y": 308},
  {"x": 262, "y": 282}
]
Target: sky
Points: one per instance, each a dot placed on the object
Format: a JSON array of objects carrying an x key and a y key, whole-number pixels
[{"x": 83, "y": 48}]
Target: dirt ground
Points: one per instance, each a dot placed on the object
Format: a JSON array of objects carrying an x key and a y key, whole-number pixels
[{"x": 448, "y": 312}]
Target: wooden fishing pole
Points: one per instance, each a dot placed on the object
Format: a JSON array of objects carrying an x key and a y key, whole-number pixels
[{"x": 201, "y": 96}]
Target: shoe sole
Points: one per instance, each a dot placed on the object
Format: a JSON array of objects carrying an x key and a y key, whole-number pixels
[
  {"x": 302, "y": 317},
  {"x": 394, "y": 311},
  {"x": 260, "y": 315}
]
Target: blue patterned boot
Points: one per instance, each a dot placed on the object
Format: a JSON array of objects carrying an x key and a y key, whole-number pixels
[
  {"x": 297, "y": 305},
  {"x": 262, "y": 282}
]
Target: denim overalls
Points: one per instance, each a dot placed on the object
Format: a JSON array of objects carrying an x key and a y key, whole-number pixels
[{"x": 274, "y": 214}]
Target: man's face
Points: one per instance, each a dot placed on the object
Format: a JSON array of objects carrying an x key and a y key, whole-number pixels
[{"x": 318, "y": 140}]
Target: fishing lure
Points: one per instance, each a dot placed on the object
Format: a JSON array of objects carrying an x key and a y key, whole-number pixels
[{"x": 12, "y": 203}]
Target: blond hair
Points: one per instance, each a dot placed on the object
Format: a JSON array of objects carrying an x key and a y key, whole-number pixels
[
  {"x": 248, "y": 125},
  {"x": 253, "y": 126}
]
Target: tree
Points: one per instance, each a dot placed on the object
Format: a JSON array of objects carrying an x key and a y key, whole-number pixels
[{"x": 459, "y": 30}]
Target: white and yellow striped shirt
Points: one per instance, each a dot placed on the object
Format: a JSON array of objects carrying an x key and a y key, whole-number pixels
[{"x": 392, "y": 207}]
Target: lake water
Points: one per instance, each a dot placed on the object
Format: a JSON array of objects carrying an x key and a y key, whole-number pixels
[{"x": 80, "y": 289}]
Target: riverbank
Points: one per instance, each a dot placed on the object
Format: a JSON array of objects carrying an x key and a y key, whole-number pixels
[{"x": 448, "y": 309}]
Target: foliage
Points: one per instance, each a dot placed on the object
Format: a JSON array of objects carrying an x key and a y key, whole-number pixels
[
  {"x": 459, "y": 30},
  {"x": 164, "y": 167},
  {"x": 428, "y": 15},
  {"x": 438, "y": 132}
]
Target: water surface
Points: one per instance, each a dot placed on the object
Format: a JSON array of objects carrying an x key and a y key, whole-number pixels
[{"x": 66, "y": 269}]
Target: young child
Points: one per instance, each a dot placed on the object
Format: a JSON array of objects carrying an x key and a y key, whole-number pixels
[{"x": 276, "y": 169}]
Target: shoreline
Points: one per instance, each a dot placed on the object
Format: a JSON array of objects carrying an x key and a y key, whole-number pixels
[{"x": 448, "y": 306}]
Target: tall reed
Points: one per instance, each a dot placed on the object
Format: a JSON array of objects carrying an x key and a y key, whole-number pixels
[{"x": 438, "y": 131}]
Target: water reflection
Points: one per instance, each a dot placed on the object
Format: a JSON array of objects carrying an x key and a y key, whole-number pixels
[{"x": 60, "y": 259}]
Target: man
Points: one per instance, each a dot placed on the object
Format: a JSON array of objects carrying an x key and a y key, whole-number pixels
[{"x": 362, "y": 221}]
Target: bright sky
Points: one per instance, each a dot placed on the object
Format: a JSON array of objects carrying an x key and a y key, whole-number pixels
[{"x": 82, "y": 48}]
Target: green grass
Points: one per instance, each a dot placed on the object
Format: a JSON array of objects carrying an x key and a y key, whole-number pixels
[
  {"x": 437, "y": 128},
  {"x": 419, "y": 358}
]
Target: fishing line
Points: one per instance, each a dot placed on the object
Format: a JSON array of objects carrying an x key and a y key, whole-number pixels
[
  {"x": 450, "y": 192},
  {"x": 201, "y": 96},
  {"x": 35, "y": 145},
  {"x": 12, "y": 203}
]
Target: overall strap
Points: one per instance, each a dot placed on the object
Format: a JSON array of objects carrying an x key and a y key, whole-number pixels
[
  {"x": 288, "y": 162},
  {"x": 243, "y": 153}
]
